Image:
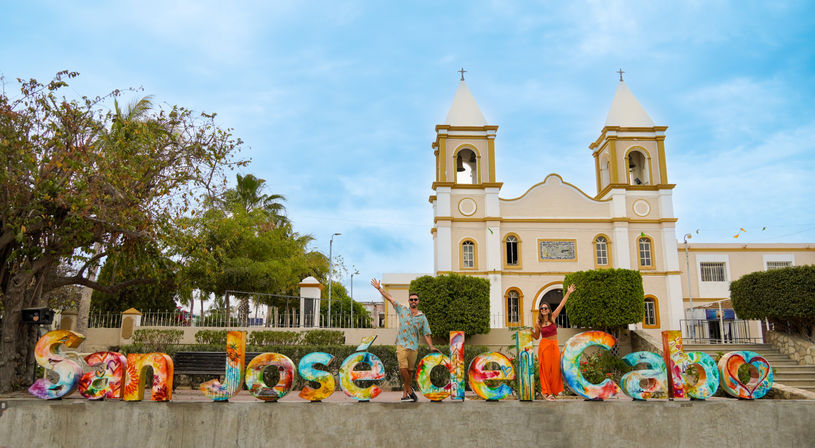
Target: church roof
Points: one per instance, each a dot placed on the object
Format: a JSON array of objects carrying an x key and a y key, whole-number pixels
[
  {"x": 626, "y": 111},
  {"x": 464, "y": 111}
]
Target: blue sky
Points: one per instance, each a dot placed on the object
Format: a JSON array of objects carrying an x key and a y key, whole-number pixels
[{"x": 337, "y": 101}]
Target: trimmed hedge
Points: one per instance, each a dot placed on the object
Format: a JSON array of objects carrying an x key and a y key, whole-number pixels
[
  {"x": 158, "y": 340},
  {"x": 605, "y": 298},
  {"x": 272, "y": 337},
  {"x": 454, "y": 303},
  {"x": 785, "y": 297}
]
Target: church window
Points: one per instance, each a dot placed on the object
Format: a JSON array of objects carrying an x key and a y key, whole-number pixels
[
  {"x": 468, "y": 254},
  {"x": 601, "y": 251},
  {"x": 511, "y": 249},
  {"x": 466, "y": 167},
  {"x": 651, "y": 319},
  {"x": 637, "y": 169},
  {"x": 646, "y": 255},
  {"x": 712, "y": 271},
  {"x": 513, "y": 310}
]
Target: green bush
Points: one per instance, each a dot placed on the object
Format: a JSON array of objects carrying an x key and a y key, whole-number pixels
[
  {"x": 785, "y": 297},
  {"x": 324, "y": 337},
  {"x": 270, "y": 337},
  {"x": 157, "y": 340},
  {"x": 214, "y": 337},
  {"x": 454, "y": 303},
  {"x": 605, "y": 298}
]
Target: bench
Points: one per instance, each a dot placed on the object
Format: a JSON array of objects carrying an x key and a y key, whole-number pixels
[{"x": 203, "y": 363}]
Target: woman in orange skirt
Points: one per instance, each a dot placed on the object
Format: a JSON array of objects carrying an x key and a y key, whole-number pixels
[{"x": 548, "y": 350}]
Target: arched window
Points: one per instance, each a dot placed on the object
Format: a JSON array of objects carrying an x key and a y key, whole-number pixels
[
  {"x": 511, "y": 251},
  {"x": 468, "y": 260},
  {"x": 637, "y": 168},
  {"x": 466, "y": 167},
  {"x": 651, "y": 319},
  {"x": 514, "y": 305},
  {"x": 646, "y": 253},
  {"x": 601, "y": 252}
]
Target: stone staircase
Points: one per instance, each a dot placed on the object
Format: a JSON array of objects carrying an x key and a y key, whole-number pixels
[{"x": 786, "y": 371}]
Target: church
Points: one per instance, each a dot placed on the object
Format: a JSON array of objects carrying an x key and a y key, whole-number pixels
[{"x": 525, "y": 245}]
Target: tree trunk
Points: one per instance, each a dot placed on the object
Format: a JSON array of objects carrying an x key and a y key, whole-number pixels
[
  {"x": 201, "y": 319},
  {"x": 243, "y": 311},
  {"x": 226, "y": 311},
  {"x": 85, "y": 300},
  {"x": 17, "y": 343}
]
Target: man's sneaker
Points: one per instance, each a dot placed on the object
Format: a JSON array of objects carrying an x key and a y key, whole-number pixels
[
  {"x": 413, "y": 396},
  {"x": 407, "y": 398}
]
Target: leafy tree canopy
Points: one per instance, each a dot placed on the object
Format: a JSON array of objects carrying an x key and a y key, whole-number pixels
[{"x": 74, "y": 175}]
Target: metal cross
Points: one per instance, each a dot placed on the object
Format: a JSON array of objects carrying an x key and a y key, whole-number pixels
[
  {"x": 462, "y": 71},
  {"x": 620, "y": 71}
]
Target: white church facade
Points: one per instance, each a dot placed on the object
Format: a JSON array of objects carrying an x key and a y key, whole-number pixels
[{"x": 526, "y": 245}]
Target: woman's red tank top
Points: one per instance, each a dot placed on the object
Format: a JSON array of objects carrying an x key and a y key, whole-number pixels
[{"x": 549, "y": 330}]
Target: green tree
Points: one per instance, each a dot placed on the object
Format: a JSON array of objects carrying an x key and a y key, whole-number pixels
[
  {"x": 248, "y": 194},
  {"x": 72, "y": 176},
  {"x": 144, "y": 261},
  {"x": 341, "y": 309},
  {"x": 605, "y": 298},
  {"x": 785, "y": 297},
  {"x": 454, "y": 303}
]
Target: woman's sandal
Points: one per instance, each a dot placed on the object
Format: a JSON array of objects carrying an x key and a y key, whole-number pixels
[{"x": 550, "y": 398}]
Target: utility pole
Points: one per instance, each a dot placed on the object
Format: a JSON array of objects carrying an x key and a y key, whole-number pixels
[{"x": 330, "y": 274}]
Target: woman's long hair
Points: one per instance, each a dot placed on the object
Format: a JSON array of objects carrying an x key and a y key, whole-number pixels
[{"x": 549, "y": 319}]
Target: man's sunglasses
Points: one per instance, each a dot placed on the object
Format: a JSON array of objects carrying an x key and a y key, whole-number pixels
[{"x": 413, "y": 300}]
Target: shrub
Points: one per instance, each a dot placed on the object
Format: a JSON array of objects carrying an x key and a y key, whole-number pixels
[
  {"x": 785, "y": 297},
  {"x": 157, "y": 340},
  {"x": 269, "y": 337},
  {"x": 605, "y": 298},
  {"x": 454, "y": 303},
  {"x": 324, "y": 337},
  {"x": 214, "y": 337}
]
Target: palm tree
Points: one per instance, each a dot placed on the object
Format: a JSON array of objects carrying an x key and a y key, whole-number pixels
[{"x": 248, "y": 195}]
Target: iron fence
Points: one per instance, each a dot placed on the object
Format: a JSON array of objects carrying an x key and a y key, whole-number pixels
[
  {"x": 703, "y": 331},
  {"x": 104, "y": 319}
]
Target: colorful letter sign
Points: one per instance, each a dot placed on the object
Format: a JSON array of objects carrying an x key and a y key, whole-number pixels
[
  {"x": 137, "y": 364},
  {"x": 654, "y": 373},
  {"x": 479, "y": 374},
  {"x": 254, "y": 376},
  {"x": 457, "y": 366},
  {"x": 757, "y": 387},
  {"x": 426, "y": 365},
  {"x": 571, "y": 370},
  {"x": 309, "y": 373},
  {"x": 68, "y": 372},
  {"x": 677, "y": 362},
  {"x": 107, "y": 380},
  {"x": 233, "y": 376},
  {"x": 526, "y": 365},
  {"x": 348, "y": 375}
]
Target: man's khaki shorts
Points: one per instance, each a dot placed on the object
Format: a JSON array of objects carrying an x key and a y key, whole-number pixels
[{"x": 406, "y": 357}]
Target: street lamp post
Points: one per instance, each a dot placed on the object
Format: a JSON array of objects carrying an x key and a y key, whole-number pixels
[
  {"x": 356, "y": 271},
  {"x": 688, "y": 273},
  {"x": 330, "y": 273}
]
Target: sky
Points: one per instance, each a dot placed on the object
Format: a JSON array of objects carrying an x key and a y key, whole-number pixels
[{"x": 337, "y": 101}]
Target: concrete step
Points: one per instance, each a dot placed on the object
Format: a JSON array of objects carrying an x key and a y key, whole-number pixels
[
  {"x": 784, "y": 369},
  {"x": 795, "y": 382},
  {"x": 730, "y": 347}
]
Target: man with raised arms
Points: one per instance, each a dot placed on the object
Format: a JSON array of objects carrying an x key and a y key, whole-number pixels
[{"x": 411, "y": 323}]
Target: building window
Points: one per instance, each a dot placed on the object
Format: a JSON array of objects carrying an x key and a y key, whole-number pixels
[
  {"x": 514, "y": 307},
  {"x": 468, "y": 255},
  {"x": 778, "y": 264},
  {"x": 712, "y": 271},
  {"x": 651, "y": 319},
  {"x": 601, "y": 251},
  {"x": 637, "y": 168},
  {"x": 646, "y": 255},
  {"x": 511, "y": 250}
]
